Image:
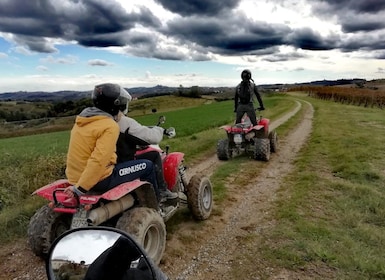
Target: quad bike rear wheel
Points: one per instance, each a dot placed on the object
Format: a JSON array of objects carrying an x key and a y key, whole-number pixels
[
  {"x": 147, "y": 227},
  {"x": 44, "y": 227},
  {"x": 273, "y": 137},
  {"x": 223, "y": 149},
  {"x": 200, "y": 197},
  {"x": 262, "y": 149}
]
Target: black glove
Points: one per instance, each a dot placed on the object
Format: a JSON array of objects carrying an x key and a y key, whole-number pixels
[
  {"x": 170, "y": 132},
  {"x": 261, "y": 108}
]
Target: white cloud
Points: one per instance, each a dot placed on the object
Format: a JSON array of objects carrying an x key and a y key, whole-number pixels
[
  {"x": 41, "y": 68},
  {"x": 99, "y": 62},
  {"x": 68, "y": 59}
]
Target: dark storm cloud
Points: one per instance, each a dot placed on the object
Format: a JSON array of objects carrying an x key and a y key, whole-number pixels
[
  {"x": 204, "y": 27},
  {"x": 353, "y": 15},
  {"x": 199, "y": 7},
  {"x": 236, "y": 37},
  {"x": 96, "y": 23},
  {"x": 308, "y": 39},
  {"x": 364, "y": 42},
  {"x": 357, "y": 6},
  {"x": 352, "y": 25},
  {"x": 36, "y": 44}
]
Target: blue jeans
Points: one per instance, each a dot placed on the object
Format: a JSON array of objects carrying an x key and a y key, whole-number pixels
[{"x": 126, "y": 171}]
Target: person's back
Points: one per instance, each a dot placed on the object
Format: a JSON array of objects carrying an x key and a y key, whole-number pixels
[
  {"x": 91, "y": 150},
  {"x": 243, "y": 99}
]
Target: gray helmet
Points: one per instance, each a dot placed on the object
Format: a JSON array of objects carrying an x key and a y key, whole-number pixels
[
  {"x": 246, "y": 75},
  {"x": 111, "y": 98}
]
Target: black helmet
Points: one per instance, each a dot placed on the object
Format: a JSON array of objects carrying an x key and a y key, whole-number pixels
[
  {"x": 246, "y": 75},
  {"x": 111, "y": 98}
]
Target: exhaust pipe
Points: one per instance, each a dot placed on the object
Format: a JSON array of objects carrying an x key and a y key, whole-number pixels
[{"x": 107, "y": 211}]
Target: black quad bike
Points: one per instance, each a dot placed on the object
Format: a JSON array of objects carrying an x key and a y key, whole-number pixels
[{"x": 244, "y": 138}]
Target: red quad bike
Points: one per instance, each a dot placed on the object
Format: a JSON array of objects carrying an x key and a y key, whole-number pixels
[
  {"x": 132, "y": 207},
  {"x": 243, "y": 137}
]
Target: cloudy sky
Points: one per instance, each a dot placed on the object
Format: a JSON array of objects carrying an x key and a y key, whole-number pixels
[{"x": 74, "y": 44}]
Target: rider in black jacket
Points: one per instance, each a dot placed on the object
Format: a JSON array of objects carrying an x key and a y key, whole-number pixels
[{"x": 243, "y": 99}]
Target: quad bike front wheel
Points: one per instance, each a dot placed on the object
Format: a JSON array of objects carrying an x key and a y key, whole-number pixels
[
  {"x": 44, "y": 227},
  {"x": 273, "y": 137},
  {"x": 223, "y": 149},
  {"x": 262, "y": 149},
  {"x": 147, "y": 227},
  {"x": 200, "y": 197}
]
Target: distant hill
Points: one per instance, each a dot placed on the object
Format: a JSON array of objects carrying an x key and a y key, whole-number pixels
[
  {"x": 75, "y": 95},
  {"x": 157, "y": 90},
  {"x": 44, "y": 96},
  {"x": 339, "y": 82}
]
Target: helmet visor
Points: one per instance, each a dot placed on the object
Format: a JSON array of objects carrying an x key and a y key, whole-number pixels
[{"x": 124, "y": 100}]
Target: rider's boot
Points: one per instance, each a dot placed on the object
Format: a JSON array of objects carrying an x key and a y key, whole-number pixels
[{"x": 164, "y": 192}]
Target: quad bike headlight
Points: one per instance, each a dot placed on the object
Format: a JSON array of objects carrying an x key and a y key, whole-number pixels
[{"x": 237, "y": 139}]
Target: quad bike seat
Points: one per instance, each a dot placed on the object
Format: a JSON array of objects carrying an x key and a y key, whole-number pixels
[{"x": 243, "y": 125}]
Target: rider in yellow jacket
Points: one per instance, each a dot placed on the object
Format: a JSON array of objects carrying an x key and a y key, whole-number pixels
[
  {"x": 91, "y": 158},
  {"x": 92, "y": 145}
]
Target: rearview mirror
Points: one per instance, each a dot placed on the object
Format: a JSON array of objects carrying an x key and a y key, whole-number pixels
[
  {"x": 98, "y": 253},
  {"x": 161, "y": 120}
]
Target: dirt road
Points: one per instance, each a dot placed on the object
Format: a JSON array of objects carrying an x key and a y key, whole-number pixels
[
  {"x": 209, "y": 256},
  {"x": 213, "y": 257}
]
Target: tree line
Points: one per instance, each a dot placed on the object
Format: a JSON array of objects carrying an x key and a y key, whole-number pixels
[{"x": 37, "y": 111}]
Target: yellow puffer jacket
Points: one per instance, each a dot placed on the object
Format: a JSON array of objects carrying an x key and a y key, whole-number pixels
[{"x": 92, "y": 150}]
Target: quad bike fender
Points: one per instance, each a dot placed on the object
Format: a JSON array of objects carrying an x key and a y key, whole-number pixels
[
  {"x": 118, "y": 191},
  {"x": 55, "y": 192},
  {"x": 227, "y": 128},
  {"x": 170, "y": 167},
  {"x": 265, "y": 123},
  {"x": 262, "y": 128},
  {"x": 144, "y": 192},
  {"x": 48, "y": 190},
  {"x": 257, "y": 127}
]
